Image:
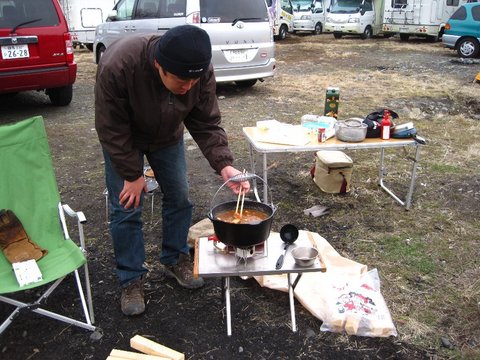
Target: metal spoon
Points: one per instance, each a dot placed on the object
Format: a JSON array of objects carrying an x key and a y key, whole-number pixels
[{"x": 288, "y": 233}]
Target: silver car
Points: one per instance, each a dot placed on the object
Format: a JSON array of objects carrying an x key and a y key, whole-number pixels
[{"x": 240, "y": 32}]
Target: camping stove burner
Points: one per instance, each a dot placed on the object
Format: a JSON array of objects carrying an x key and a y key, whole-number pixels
[{"x": 243, "y": 253}]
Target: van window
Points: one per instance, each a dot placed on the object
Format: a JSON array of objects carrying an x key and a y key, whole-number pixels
[
  {"x": 476, "y": 13},
  {"x": 40, "y": 12},
  {"x": 226, "y": 11},
  {"x": 367, "y": 6},
  {"x": 453, "y": 2},
  {"x": 160, "y": 9},
  {"x": 125, "y": 10},
  {"x": 146, "y": 9},
  {"x": 400, "y": 4},
  {"x": 318, "y": 8},
  {"x": 460, "y": 14}
]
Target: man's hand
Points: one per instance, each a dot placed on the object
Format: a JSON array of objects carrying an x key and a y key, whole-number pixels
[
  {"x": 227, "y": 173},
  {"x": 132, "y": 192}
]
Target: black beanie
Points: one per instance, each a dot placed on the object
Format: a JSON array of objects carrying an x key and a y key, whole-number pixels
[{"x": 184, "y": 51}]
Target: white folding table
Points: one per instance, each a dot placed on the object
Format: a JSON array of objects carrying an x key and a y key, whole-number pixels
[
  {"x": 253, "y": 134},
  {"x": 211, "y": 262}
]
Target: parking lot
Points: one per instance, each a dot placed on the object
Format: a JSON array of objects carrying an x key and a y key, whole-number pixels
[{"x": 427, "y": 257}]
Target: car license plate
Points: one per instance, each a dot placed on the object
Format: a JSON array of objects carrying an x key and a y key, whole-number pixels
[
  {"x": 337, "y": 28},
  {"x": 15, "y": 51},
  {"x": 403, "y": 29},
  {"x": 236, "y": 56}
]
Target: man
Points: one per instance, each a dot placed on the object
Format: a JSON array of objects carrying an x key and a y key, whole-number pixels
[{"x": 147, "y": 89}]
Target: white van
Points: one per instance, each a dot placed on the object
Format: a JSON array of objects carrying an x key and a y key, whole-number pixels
[
  {"x": 409, "y": 18},
  {"x": 83, "y": 16},
  {"x": 281, "y": 13},
  {"x": 240, "y": 32},
  {"x": 355, "y": 17},
  {"x": 310, "y": 15}
]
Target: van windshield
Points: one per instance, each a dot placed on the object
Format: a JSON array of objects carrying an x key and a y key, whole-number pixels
[
  {"x": 345, "y": 6},
  {"x": 302, "y": 5},
  {"x": 23, "y": 12},
  {"x": 230, "y": 11}
]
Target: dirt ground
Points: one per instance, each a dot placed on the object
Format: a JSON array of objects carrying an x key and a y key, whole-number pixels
[{"x": 423, "y": 82}]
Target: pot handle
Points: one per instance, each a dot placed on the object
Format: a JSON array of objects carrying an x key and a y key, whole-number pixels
[{"x": 245, "y": 177}]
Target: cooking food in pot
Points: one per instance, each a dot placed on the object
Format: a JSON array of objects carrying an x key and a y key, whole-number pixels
[{"x": 249, "y": 216}]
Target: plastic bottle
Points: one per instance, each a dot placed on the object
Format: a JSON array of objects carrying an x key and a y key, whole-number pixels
[{"x": 386, "y": 124}]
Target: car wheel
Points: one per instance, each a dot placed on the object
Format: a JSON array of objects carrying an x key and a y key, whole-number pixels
[
  {"x": 367, "y": 33},
  {"x": 404, "y": 37},
  {"x": 468, "y": 48},
  {"x": 246, "y": 83},
  {"x": 89, "y": 46},
  {"x": 100, "y": 52},
  {"x": 318, "y": 29},
  {"x": 433, "y": 38},
  {"x": 61, "y": 96},
  {"x": 337, "y": 35},
  {"x": 282, "y": 33}
]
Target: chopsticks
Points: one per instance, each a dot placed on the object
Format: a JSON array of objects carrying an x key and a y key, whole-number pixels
[{"x": 240, "y": 201}]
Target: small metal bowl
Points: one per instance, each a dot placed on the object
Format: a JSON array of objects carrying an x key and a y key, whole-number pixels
[{"x": 305, "y": 255}]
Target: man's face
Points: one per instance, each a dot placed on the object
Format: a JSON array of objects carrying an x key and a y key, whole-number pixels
[{"x": 177, "y": 85}]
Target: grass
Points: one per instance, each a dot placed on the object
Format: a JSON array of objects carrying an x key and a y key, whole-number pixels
[{"x": 428, "y": 257}]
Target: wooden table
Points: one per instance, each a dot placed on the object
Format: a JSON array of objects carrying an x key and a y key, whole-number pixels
[{"x": 253, "y": 134}]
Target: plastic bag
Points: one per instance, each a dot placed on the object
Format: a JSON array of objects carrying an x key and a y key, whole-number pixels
[{"x": 358, "y": 308}]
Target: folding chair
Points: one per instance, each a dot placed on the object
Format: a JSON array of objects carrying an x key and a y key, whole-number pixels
[{"x": 28, "y": 187}]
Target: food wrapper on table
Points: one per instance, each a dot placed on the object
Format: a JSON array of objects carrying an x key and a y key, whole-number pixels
[{"x": 346, "y": 297}]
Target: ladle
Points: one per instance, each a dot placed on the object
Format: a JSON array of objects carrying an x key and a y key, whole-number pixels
[{"x": 288, "y": 234}]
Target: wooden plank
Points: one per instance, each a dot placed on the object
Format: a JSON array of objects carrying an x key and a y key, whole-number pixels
[
  {"x": 150, "y": 347},
  {"x": 129, "y": 355},
  {"x": 195, "y": 259},
  {"x": 319, "y": 256}
]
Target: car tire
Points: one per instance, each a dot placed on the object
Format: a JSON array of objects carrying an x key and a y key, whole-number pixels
[
  {"x": 282, "y": 33},
  {"x": 60, "y": 96},
  {"x": 89, "y": 46},
  {"x": 318, "y": 29},
  {"x": 337, "y": 35},
  {"x": 404, "y": 37},
  {"x": 367, "y": 33},
  {"x": 246, "y": 83},
  {"x": 468, "y": 48},
  {"x": 100, "y": 52}
]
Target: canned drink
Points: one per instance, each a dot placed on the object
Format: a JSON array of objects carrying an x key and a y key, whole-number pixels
[{"x": 321, "y": 135}]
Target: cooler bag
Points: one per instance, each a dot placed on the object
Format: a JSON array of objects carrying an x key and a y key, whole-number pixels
[{"x": 333, "y": 171}]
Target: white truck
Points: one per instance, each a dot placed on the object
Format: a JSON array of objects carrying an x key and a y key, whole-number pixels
[
  {"x": 281, "y": 13},
  {"x": 309, "y": 15},
  {"x": 83, "y": 16},
  {"x": 425, "y": 18},
  {"x": 355, "y": 17}
]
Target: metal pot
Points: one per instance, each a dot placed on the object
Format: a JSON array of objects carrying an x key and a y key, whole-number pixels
[
  {"x": 351, "y": 130},
  {"x": 242, "y": 235}
]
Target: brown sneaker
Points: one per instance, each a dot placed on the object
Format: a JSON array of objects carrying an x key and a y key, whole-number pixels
[
  {"x": 132, "y": 299},
  {"x": 183, "y": 272}
]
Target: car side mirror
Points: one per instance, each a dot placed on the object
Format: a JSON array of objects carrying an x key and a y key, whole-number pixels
[{"x": 112, "y": 15}]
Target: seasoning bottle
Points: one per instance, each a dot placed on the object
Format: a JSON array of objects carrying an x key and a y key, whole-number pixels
[{"x": 386, "y": 124}]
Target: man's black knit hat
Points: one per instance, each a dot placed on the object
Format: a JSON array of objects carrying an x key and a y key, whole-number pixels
[{"x": 184, "y": 51}]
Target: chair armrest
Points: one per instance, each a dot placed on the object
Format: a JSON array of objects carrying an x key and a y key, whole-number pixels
[
  {"x": 65, "y": 209},
  {"x": 75, "y": 214}
]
